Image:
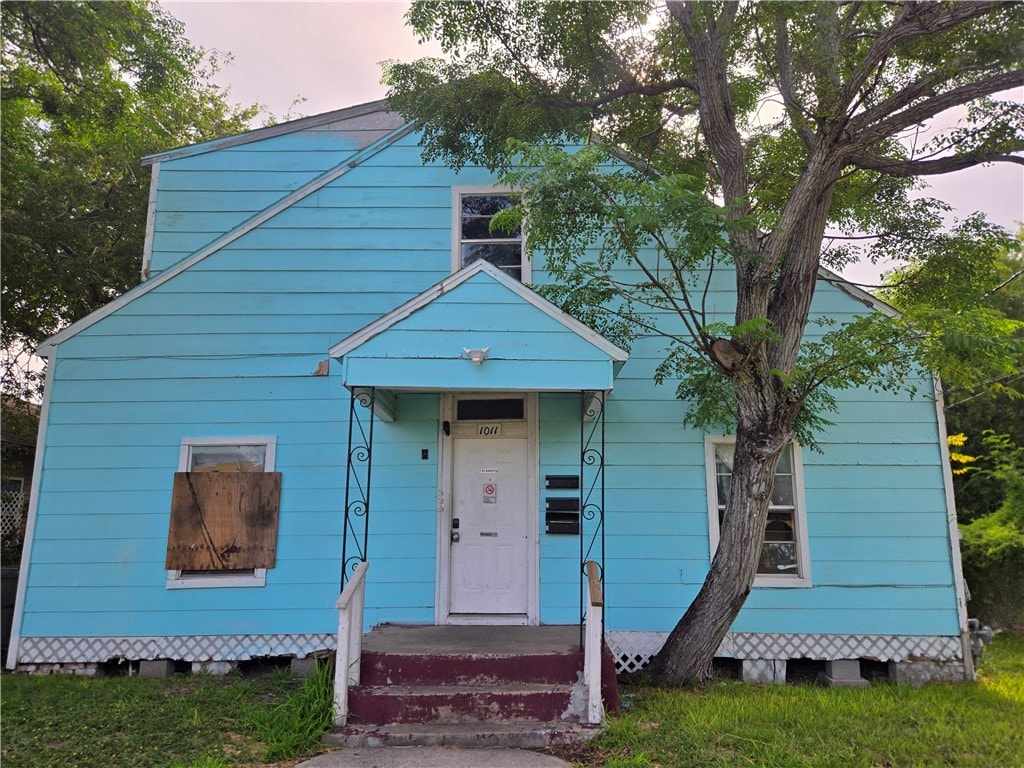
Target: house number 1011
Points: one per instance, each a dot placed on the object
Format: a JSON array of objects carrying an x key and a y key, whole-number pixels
[{"x": 488, "y": 430}]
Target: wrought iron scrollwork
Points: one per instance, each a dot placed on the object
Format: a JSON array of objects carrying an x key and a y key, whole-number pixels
[
  {"x": 358, "y": 469},
  {"x": 592, "y": 491}
]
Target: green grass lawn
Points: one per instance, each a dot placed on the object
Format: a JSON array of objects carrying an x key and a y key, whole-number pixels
[
  {"x": 199, "y": 721},
  {"x": 184, "y": 721},
  {"x": 796, "y": 726}
]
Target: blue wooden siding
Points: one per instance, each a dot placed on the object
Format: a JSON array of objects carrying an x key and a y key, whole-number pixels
[
  {"x": 228, "y": 348},
  {"x": 528, "y": 349}
]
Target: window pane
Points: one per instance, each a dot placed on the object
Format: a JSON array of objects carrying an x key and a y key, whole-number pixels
[
  {"x": 785, "y": 462},
  {"x": 510, "y": 409},
  {"x": 778, "y": 559},
  {"x": 498, "y": 254},
  {"x": 724, "y": 483},
  {"x": 782, "y": 491},
  {"x": 479, "y": 228},
  {"x": 228, "y": 458},
  {"x": 779, "y": 548},
  {"x": 723, "y": 459},
  {"x": 780, "y": 527},
  {"x": 485, "y": 205}
]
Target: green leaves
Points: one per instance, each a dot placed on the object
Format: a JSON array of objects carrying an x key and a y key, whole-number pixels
[
  {"x": 88, "y": 90},
  {"x": 950, "y": 292}
]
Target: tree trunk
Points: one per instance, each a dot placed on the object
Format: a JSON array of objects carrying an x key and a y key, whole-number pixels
[{"x": 687, "y": 654}]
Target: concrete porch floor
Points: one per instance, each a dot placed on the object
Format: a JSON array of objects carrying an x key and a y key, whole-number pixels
[{"x": 412, "y": 640}]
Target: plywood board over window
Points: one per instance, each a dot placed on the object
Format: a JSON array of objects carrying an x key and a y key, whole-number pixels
[{"x": 223, "y": 521}]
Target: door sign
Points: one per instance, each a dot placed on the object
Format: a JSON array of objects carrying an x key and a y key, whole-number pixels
[
  {"x": 488, "y": 430},
  {"x": 490, "y": 493}
]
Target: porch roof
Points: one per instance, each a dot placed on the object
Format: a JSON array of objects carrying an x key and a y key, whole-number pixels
[{"x": 527, "y": 343}]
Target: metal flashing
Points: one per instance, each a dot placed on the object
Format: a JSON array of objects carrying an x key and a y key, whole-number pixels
[
  {"x": 147, "y": 247},
  {"x": 859, "y": 294},
  {"x": 260, "y": 134}
]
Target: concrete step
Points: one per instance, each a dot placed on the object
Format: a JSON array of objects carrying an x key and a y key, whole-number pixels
[
  {"x": 502, "y": 703},
  {"x": 517, "y": 735},
  {"x": 382, "y": 668}
]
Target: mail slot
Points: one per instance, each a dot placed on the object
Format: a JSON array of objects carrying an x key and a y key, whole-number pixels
[
  {"x": 562, "y": 522},
  {"x": 571, "y": 504},
  {"x": 562, "y": 481}
]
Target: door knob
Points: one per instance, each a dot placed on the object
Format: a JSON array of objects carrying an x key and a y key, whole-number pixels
[{"x": 455, "y": 536}]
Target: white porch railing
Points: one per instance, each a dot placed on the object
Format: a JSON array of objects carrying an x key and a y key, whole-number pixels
[
  {"x": 350, "y": 640},
  {"x": 592, "y": 645}
]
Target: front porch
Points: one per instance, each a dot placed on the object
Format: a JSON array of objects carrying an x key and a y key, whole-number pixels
[
  {"x": 470, "y": 684},
  {"x": 478, "y": 685}
]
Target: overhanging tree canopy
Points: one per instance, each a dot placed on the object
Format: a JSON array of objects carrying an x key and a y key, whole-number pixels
[
  {"x": 757, "y": 129},
  {"x": 88, "y": 89}
]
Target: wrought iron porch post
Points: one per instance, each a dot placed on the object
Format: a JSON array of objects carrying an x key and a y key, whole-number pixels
[
  {"x": 358, "y": 470},
  {"x": 592, "y": 493}
]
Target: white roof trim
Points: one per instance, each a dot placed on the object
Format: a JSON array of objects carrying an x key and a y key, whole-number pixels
[
  {"x": 259, "y": 134},
  {"x": 859, "y": 294},
  {"x": 227, "y": 238},
  {"x": 416, "y": 303}
]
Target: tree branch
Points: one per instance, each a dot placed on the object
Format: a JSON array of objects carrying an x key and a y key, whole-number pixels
[
  {"x": 717, "y": 114},
  {"x": 794, "y": 109},
  {"x": 892, "y": 166},
  {"x": 629, "y": 87},
  {"x": 916, "y": 19},
  {"x": 864, "y": 133}
]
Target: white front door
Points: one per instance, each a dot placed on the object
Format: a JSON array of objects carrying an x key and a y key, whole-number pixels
[{"x": 489, "y": 520}]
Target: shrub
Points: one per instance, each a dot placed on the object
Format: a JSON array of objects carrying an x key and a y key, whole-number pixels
[{"x": 993, "y": 545}]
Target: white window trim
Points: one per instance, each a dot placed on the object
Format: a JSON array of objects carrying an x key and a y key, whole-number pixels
[
  {"x": 21, "y": 481},
  {"x": 803, "y": 577},
  {"x": 457, "y": 193},
  {"x": 175, "y": 578}
]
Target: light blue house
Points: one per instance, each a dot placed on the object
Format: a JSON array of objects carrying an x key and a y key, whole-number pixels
[{"x": 314, "y": 318}]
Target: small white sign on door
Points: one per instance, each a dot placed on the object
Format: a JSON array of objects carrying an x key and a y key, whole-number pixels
[
  {"x": 490, "y": 492},
  {"x": 488, "y": 430}
]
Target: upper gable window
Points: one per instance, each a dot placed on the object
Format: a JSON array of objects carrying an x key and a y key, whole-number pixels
[{"x": 474, "y": 208}]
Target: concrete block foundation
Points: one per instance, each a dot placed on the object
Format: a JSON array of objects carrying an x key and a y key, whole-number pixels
[
  {"x": 216, "y": 668},
  {"x": 924, "y": 671},
  {"x": 764, "y": 671},
  {"x": 842, "y": 673},
  {"x": 153, "y": 669},
  {"x": 303, "y": 668}
]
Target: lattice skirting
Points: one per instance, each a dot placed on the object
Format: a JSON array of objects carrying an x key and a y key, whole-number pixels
[
  {"x": 42, "y": 650},
  {"x": 632, "y": 650}
]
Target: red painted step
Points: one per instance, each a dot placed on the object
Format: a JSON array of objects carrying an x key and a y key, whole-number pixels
[
  {"x": 486, "y": 675},
  {"x": 506, "y": 703},
  {"x": 423, "y": 669}
]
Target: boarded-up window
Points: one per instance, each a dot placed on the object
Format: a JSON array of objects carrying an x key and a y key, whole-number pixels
[
  {"x": 223, "y": 521},
  {"x": 224, "y": 512}
]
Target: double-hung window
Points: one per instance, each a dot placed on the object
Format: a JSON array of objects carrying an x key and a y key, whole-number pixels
[
  {"x": 474, "y": 239},
  {"x": 784, "y": 559},
  {"x": 224, "y": 512}
]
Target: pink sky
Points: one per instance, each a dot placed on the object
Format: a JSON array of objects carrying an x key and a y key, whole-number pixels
[{"x": 329, "y": 53}]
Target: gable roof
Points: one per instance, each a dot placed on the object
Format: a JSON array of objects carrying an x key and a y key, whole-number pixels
[
  {"x": 350, "y": 162},
  {"x": 530, "y": 343},
  {"x": 391, "y": 136}
]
